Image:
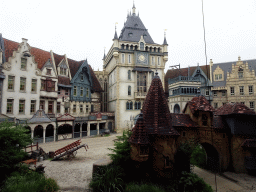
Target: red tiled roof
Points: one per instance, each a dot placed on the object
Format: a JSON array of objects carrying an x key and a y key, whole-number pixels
[
  {"x": 249, "y": 143},
  {"x": 139, "y": 133},
  {"x": 9, "y": 47},
  {"x": 234, "y": 108},
  {"x": 41, "y": 56},
  {"x": 95, "y": 82},
  {"x": 182, "y": 120},
  {"x": 74, "y": 66},
  {"x": 157, "y": 117},
  {"x": 57, "y": 58},
  {"x": 63, "y": 80},
  {"x": 198, "y": 103},
  {"x": 172, "y": 73}
]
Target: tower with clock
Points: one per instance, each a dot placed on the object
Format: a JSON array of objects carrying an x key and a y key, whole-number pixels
[{"x": 131, "y": 64}]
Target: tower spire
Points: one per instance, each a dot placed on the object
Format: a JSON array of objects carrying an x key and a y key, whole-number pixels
[
  {"x": 115, "y": 37},
  {"x": 133, "y": 9},
  {"x": 165, "y": 42}
]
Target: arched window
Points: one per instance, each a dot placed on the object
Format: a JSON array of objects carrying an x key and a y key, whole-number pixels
[
  {"x": 129, "y": 105},
  {"x": 137, "y": 105},
  {"x": 141, "y": 46},
  {"x": 129, "y": 74},
  {"x": 129, "y": 90}
]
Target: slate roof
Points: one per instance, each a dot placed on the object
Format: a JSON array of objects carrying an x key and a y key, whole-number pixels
[
  {"x": 41, "y": 56},
  {"x": 249, "y": 143},
  {"x": 172, "y": 73},
  {"x": 63, "y": 80},
  {"x": 2, "y": 48},
  {"x": 182, "y": 120},
  {"x": 234, "y": 108},
  {"x": 135, "y": 26},
  {"x": 40, "y": 118},
  {"x": 157, "y": 117},
  {"x": 227, "y": 67},
  {"x": 139, "y": 133},
  {"x": 198, "y": 103}
]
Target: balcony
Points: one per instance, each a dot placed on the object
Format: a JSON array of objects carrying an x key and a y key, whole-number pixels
[
  {"x": 141, "y": 92},
  {"x": 183, "y": 78}
]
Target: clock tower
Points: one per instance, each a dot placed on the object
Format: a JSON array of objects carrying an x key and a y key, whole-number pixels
[{"x": 131, "y": 64}]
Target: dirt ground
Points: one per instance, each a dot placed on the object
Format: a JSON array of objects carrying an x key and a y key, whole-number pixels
[{"x": 75, "y": 174}]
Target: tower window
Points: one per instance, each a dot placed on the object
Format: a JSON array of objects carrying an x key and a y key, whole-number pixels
[
  {"x": 129, "y": 74},
  {"x": 141, "y": 46},
  {"x": 129, "y": 90},
  {"x": 129, "y": 105}
]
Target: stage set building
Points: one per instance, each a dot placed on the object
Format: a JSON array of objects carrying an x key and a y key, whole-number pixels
[
  {"x": 57, "y": 97},
  {"x": 129, "y": 67}
]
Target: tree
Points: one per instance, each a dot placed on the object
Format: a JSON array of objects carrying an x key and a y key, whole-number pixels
[{"x": 12, "y": 139}]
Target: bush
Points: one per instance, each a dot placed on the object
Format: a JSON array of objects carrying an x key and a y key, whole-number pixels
[
  {"x": 25, "y": 180},
  {"x": 132, "y": 187},
  {"x": 12, "y": 140},
  {"x": 108, "y": 178},
  {"x": 190, "y": 182},
  {"x": 198, "y": 157},
  {"x": 122, "y": 149}
]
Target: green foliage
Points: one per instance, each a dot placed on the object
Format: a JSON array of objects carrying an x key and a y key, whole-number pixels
[
  {"x": 108, "y": 178},
  {"x": 132, "y": 187},
  {"x": 190, "y": 182},
  {"x": 12, "y": 140},
  {"x": 25, "y": 180},
  {"x": 121, "y": 149},
  {"x": 106, "y": 135},
  {"x": 198, "y": 157}
]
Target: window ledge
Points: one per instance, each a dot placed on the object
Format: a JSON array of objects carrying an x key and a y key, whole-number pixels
[
  {"x": 33, "y": 92},
  {"x": 10, "y": 90},
  {"x": 22, "y": 91}
]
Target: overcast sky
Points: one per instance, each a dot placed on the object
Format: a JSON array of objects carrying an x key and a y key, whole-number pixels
[{"x": 82, "y": 28}]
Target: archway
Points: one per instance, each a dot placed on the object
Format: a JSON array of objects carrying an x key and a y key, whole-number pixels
[
  {"x": 64, "y": 131},
  {"x": 38, "y": 134},
  {"x": 176, "y": 108},
  {"x": 77, "y": 130},
  {"x": 212, "y": 157},
  {"x": 49, "y": 133},
  {"x": 84, "y": 129}
]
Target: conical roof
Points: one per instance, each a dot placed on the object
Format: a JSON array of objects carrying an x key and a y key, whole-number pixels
[
  {"x": 157, "y": 117},
  {"x": 139, "y": 133},
  {"x": 133, "y": 30}
]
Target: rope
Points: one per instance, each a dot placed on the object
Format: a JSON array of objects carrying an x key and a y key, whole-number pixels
[{"x": 207, "y": 76}]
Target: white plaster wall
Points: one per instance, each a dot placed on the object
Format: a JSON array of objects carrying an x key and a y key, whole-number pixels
[{"x": 30, "y": 73}]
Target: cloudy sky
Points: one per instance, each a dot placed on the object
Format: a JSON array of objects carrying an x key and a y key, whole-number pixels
[{"x": 82, "y": 28}]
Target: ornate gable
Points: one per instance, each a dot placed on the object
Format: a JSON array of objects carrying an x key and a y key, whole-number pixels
[
  {"x": 83, "y": 75},
  {"x": 65, "y": 117},
  {"x": 218, "y": 74}
]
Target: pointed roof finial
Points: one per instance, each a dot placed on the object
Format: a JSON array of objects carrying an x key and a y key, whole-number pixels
[
  {"x": 115, "y": 37},
  {"x": 165, "y": 42},
  {"x": 239, "y": 58}
]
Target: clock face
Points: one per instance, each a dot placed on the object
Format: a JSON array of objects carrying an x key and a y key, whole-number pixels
[{"x": 141, "y": 57}]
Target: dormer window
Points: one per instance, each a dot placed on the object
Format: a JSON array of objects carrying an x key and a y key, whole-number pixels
[
  {"x": 23, "y": 65},
  {"x": 48, "y": 71},
  {"x": 218, "y": 77},
  {"x": 136, "y": 25},
  {"x": 130, "y": 34},
  {"x": 82, "y": 77}
]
